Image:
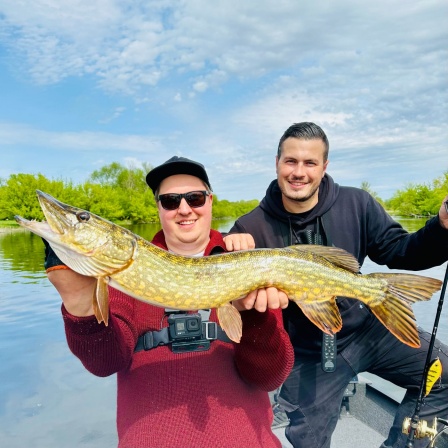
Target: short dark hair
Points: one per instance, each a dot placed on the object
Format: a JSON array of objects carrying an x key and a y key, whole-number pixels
[{"x": 305, "y": 131}]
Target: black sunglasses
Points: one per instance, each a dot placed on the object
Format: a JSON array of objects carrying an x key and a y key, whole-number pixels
[{"x": 171, "y": 201}]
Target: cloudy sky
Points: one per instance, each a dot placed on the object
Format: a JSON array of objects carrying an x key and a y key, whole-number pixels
[{"x": 84, "y": 83}]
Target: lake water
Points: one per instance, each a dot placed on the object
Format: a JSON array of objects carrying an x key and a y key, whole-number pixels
[{"x": 47, "y": 399}]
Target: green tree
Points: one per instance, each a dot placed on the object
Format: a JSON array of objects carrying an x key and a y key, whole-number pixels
[
  {"x": 18, "y": 195},
  {"x": 119, "y": 193},
  {"x": 366, "y": 187},
  {"x": 226, "y": 209},
  {"x": 420, "y": 199},
  {"x": 125, "y": 194},
  {"x": 107, "y": 175}
]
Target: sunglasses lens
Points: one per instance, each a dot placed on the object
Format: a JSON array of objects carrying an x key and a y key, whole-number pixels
[
  {"x": 195, "y": 199},
  {"x": 170, "y": 201}
]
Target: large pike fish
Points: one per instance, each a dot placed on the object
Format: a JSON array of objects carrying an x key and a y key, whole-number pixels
[{"x": 311, "y": 276}]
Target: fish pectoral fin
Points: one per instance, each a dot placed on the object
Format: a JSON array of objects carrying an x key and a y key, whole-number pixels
[
  {"x": 230, "y": 320},
  {"x": 101, "y": 300},
  {"x": 323, "y": 313}
]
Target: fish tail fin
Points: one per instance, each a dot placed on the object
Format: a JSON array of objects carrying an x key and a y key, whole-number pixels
[{"x": 395, "y": 312}]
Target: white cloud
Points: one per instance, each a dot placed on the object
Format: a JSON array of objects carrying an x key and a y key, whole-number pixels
[
  {"x": 13, "y": 134},
  {"x": 116, "y": 113},
  {"x": 130, "y": 47},
  {"x": 200, "y": 86},
  {"x": 221, "y": 81}
]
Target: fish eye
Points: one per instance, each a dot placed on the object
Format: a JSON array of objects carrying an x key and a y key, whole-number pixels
[{"x": 83, "y": 216}]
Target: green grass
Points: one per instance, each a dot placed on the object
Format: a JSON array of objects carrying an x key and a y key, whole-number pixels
[{"x": 8, "y": 223}]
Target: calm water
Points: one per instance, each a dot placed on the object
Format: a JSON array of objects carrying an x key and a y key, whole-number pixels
[{"x": 47, "y": 399}]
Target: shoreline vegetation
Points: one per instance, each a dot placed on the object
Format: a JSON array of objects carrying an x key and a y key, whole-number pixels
[
  {"x": 120, "y": 194},
  {"x": 11, "y": 226}
]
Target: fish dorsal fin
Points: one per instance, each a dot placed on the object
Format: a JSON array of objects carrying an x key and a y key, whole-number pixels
[{"x": 334, "y": 255}]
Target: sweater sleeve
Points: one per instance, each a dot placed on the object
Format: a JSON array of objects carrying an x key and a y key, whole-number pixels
[
  {"x": 237, "y": 228},
  {"x": 390, "y": 244},
  {"x": 103, "y": 350},
  {"x": 264, "y": 357}
]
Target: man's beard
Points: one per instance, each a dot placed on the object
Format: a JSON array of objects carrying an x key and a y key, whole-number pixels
[{"x": 302, "y": 198}]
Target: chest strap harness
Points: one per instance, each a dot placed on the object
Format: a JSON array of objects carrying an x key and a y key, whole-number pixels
[{"x": 210, "y": 331}]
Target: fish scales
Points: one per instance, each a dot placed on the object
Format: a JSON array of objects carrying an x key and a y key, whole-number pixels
[
  {"x": 311, "y": 276},
  {"x": 212, "y": 281}
]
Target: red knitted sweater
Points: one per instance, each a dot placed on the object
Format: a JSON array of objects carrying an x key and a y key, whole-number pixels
[{"x": 216, "y": 398}]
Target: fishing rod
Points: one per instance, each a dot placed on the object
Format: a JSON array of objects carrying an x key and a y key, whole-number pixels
[{"x": 413, "y": 426}]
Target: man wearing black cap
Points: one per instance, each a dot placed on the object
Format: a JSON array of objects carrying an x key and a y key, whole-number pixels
[
  {"x": 173, "y": 391},
  {"x": 176, "y": 165},
  {"x": 186, "y": 222}
]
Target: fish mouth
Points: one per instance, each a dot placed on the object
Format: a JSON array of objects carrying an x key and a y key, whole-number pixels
[
  {"x": 40, "y": 228},
  {"x": 82, "y": 240},
  {"x": 60, "y": 218}
]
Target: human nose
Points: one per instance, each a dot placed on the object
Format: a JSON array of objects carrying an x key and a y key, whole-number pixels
[
  {"x": 184, "y": 208},
  {"x": 299, "y": 170}
]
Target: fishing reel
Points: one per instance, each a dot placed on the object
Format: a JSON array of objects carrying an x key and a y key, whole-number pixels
[
  {"x": 419, "y": 429},
  {"x": 423, "y": 430}
]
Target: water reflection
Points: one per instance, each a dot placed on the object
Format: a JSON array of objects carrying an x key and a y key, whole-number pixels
[{"x": 47, "y": 399}]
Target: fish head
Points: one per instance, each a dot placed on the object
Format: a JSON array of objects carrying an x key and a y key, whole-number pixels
[{"x": 85, "y": 242}]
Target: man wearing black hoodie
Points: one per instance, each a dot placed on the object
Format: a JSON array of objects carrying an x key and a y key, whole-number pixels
[{"x": 305, "y": 206}]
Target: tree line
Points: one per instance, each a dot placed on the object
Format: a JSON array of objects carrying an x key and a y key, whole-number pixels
[
  {"x": 415, "y": 200},
  {"x": 114, "y": 192},
  {"x": 120, "y": 194}
]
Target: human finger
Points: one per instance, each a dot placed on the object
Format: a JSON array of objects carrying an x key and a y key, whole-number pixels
[
  {"x": 261, "y": 303},
  {"x": 232, "y": 242},
  {"x": 246, "y": 303}
]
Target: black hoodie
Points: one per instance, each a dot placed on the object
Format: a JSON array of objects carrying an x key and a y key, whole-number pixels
[{"x": 349, "y": 218}]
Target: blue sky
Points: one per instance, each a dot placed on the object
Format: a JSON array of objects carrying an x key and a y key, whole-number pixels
[{"x": 84, "y": 83}]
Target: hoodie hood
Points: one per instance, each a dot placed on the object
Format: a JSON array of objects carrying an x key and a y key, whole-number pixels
[{"x": 272, "y": 203}]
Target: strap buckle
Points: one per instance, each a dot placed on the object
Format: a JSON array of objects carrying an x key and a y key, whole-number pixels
[
  {"x": 152, "y": 339},
  {"x": 148, "y": 340},
  {"x": 210, "y": 330}
]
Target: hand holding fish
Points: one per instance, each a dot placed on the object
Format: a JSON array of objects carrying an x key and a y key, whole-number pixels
[
  {"x": 239, "y": 241},
  {"x": 76, "y": 291},
  {"x": 263, "y": 299}
]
